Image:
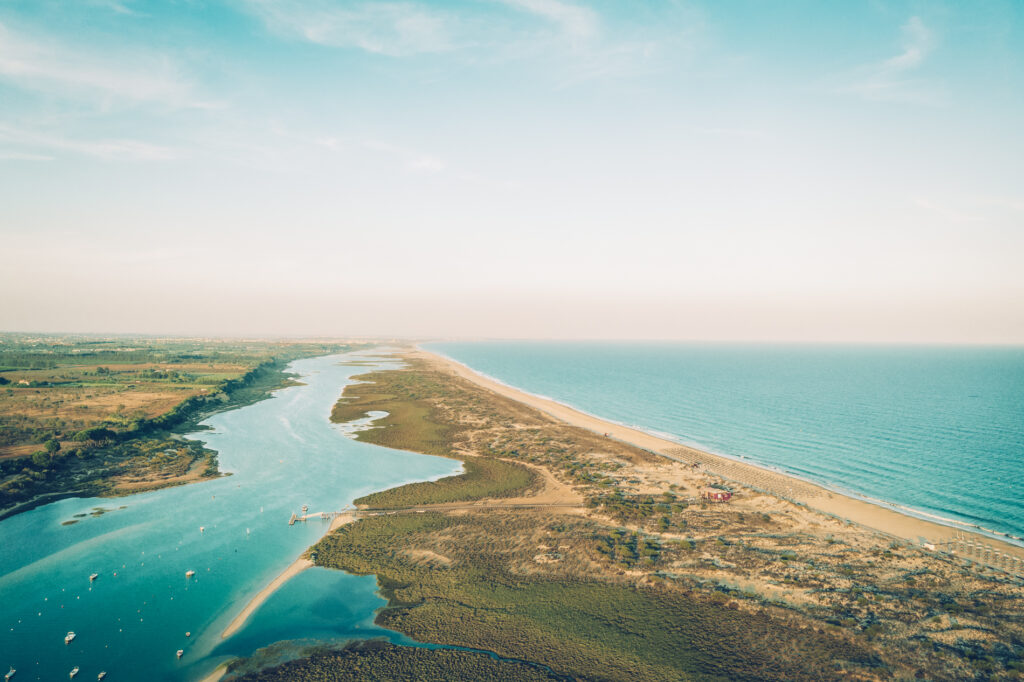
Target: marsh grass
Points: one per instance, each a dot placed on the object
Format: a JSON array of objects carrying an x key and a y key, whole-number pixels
[
  {"x": 483, "y": 478},
  {"x": 579, "y": 626}
]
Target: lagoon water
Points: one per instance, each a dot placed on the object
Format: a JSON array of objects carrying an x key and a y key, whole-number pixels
[
  {"x": 283, "y": 453},
  {"x": 936, "y": 430}
]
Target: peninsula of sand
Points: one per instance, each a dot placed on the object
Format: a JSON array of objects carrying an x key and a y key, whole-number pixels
[
  {"x": 558, "y": 506},
  {"x": 862, "y": 512},
  {"x": 296, "y": 567}
]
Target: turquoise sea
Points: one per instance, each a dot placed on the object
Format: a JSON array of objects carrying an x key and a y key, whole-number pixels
[
  {"x": 283, "y": 453},
  {"x": 937, "y": 431}
]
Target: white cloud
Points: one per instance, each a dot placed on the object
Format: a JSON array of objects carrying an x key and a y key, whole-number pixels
[
  {"x": 917, "y": 43},
  {"x": 114, "y": 6},
  {"x": 22, "y": 156},
  {"x": 106, "y": 149},
  {"x": 47, "y": 66},
  {"x": 893, "y": 79},
  {"x": 394, "y": 29},
  {"x": 575, "y": 21}
]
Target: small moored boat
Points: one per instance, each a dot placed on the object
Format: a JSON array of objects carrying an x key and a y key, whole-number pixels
[
  {"x": 10, "y": 674},
  {"x": 101, "y": 675},
  {"x": 188, "y": 634},
  {"x": 93, "y": 576},
  {"x": 69, "y": 637},
  {"x": 181, "y": 652},
  {"x": 189, "y": 573},
  {"x": 74, "y": 671}
]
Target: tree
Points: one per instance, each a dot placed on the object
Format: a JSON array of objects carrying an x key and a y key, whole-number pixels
[
  {"x": 52, "y": 446},
  {"x": 97, "y": 433},
  {"x": 40, "y": 459}
]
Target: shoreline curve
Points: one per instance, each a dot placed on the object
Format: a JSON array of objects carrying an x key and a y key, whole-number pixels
[
  {"x": 877, "y": 517},
  {"x": 296, "y": 567}
]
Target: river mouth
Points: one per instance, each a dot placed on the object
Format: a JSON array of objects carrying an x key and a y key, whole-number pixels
[{"x": 283, "y": 453}]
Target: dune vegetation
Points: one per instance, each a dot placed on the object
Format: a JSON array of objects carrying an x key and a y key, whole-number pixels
[{"x": 619, "y": 570}]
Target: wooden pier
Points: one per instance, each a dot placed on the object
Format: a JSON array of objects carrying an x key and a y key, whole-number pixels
[{"x": 323, "y": 516}]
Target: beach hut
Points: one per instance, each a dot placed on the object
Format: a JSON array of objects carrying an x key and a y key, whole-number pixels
[{"x": 715, "y": 495}]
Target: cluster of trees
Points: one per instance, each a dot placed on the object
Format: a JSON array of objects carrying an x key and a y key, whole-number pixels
[
  {"x": 628, "y": 548},
  {"x": 380, "y": 660},
  {"x": 639, "y": 507}
]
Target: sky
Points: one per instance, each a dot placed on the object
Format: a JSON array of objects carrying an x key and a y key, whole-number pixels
[{"x": 720, "y": 170}]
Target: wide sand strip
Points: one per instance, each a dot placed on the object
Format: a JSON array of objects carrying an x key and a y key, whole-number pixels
[
  {"x": 813, "y": 496},
  {"x": 298, "y": 566}
]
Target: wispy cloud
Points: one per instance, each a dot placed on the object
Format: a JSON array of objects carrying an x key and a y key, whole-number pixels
[
  {"x": 22, "y": 156},
  {"x": 113, "y": 6},
  {"x": 575, "y": 21},
  {"x": 917, "y": 44},
  {"x": 894, "y": 79},
  {"x": 106, "y": 149},
  {"x": 573, "y": 38},
  {"x": 394, "y": 29},
  {"x": 42, "y": 64}
]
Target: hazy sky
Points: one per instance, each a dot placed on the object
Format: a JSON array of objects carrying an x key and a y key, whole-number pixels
[{"x": 514, "y": 168}]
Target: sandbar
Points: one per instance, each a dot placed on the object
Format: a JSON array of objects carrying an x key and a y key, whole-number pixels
[{"x": 297, "y": 566}]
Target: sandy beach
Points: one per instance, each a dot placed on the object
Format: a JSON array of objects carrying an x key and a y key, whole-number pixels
[
  {"x": 298, "y": 566},
  {"x": 815, "y": 497}
]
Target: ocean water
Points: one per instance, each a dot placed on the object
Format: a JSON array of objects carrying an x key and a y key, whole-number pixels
[
  {"x": 283, "y": 453},
  {"x": 937, "y": 431}
]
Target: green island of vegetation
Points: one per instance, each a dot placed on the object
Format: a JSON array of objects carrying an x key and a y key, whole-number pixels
[
  {"x": 379, "y": 661},
  {"x": 102, "y": 416},
  {"x": 640, "y": 579}
]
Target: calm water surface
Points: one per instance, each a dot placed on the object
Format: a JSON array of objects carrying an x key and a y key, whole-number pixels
[
  {"x": 937, "y": 430},
  {"x": 283, "y": 453}
]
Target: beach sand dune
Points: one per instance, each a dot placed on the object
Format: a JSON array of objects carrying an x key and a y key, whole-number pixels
[{"x": 862, "y": 512}]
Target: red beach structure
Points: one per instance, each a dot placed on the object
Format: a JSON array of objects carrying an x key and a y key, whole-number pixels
[{"x": 715, "y": 495}]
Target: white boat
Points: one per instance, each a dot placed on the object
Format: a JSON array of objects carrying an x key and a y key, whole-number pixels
[
  {"x": 181, "y": 652},
  {"x": 189, "y": 573},
  {"x": 188, "y": 634},
  {"x": 101, "y": 675},
  {"x": 202, "y": 529},
  {"x": 10, "y": 674},
  {"x": 74, "y": 671},
  {"x": 69, "y": 637},
  {"x": 93, "y": 576}
]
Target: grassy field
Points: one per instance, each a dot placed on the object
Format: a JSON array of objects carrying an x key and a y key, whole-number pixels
[
  {"x": 484, "y": 478},
  {"x": 414, "y": 424},
  {"x": 467, "y": 580},
  {"x": 90, "y": 415}
]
